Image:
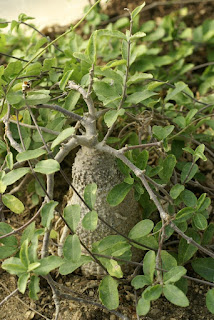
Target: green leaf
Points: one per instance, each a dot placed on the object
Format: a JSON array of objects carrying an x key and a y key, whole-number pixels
[
  {"x": 139, "y": 77},
  {"x": 188, "y": 172},
  {"x": 168, "y": 167},
  {"x": 6, "y": 251},
  {"x": 22, "y": 282},
  {"x": 112, "y": 267},
  {"x": 179, "y": 86},
  {"x": 13, "y": 203},
  {"x": 38, "y": 97},
  {"x": 14, "y": 266},
  {"x": 210, "y": 300},
  {"x": 139, "y": 96},
  {"x": 152, "y": 292},
  {"x": 162, "y": 133},
  {"x": 89, "y": 222},
  {"x": 111, "y": 116},
  {"x": 168, "y": 261},
  {"x": 175, "y": 295},
  {"x": 176, "y": 190},
  {"x": 199, "y": 153},
  {"x": 204, "y": 267},
  {"x": 118, "y": 194},
  {"x": 23, "y": 17},
  {"x": 33, "y": 266},
  {"x": 47, "y": 166},
  {"x": 184, "y": 214},
  {"x": 30, "y": 154},
  {"x": 108, "y": 293},
  {"x": 200, "y": 222},
  {"x": 90, "y": 194},
  {"x": 9, "y": 160},
  {"x": 91, "y": 49},
  {"x": 189, "y": 198},
  {"x": 48, "y": 264},
  {"x": 24, "y": 254},
  {"x": 72, "y": 248},
  {"x": 72, "y": 216},
  {"x": 142, "y": 160},
  {"x": 138, "y": 35},
  {"x": 34, "y": 287},
  {"x": 65, "y": 79},
  {"x": 111, "y": 33},
  {"x": 65, "y": 134},
  {"x": 137, "y": 10},
  {"x": 143, "y": 306},
  {"x": 140, "y": 282},
  {"x": 208, "y": 235},
  {"x": 14, "y": 175},
  {"x": 141, "y": 229},
  {"x": 10, "y": 241},
  {"x": 12, "y": 70},
  {"x": 113, "y": 64},
  {"x": 149, "y": 264},
  {"x": 185, "y": 250},
  {"x": 69, "y": 266},
  {"x": 174, "y": 274},
  {"x": 34, "y": 68},
  {"x": 47, "y": 213}
]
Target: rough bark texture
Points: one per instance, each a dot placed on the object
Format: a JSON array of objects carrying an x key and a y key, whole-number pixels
[{"x": 91, "y": 166}]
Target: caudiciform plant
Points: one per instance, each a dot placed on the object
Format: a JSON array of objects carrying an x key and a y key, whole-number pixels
[{"x": 142, "y": 143}]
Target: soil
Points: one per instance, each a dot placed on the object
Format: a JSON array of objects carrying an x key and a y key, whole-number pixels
[{"x": 20, "y": 307}]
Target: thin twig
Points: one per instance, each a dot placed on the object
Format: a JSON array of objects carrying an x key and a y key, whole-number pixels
[
  {"x": 146, "y": 145},
  {"x": 60, "y": 109},
  {"x": 56, "y": 133},
  {"x": 25, "y": 304}
]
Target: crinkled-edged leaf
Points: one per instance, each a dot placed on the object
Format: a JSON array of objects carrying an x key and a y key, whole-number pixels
[
  {"x": 111, "y": 116},
  {"x": 62, "y": 136},
  {"x": 47, "y": 166},
  {"x": 143, "y": 306},
  {"x": 22, "y": 282},
  {"x": 179, "y": 86},
  {"x": 137, "y": 10},
  {"x": 210, "y": 300},
  {"x": 28, "y": 233},
  {"x": 72, "y": 248},
  {"x": 91, "y": 49},
  {"x": 174, "y": 274},
  {"x": 199, "y": 153},
  {"x": 13, "y": 203},
  {"x": 34, "y": 68},
  {"x": 23, "y": 254},
  {"x": 65, "y": 79},
  {"x": 141, "y": 229},
  {"x": 111, "y": 33},
  {"x": 82, "y": 56},
  {"x": 30, "y": 154},
  {"x": 175, "y": 295},
  {"x": 204, "y": 267},
  {"x": 9, "y": 160},
  {"x": 176, "y": 190},
  {"x": 47, "y": 213},
  {"x": 15, "y": 175},
  {"x": 34, "y": 287},
  {"x": 162, "y": 133},
  {"x": 113, "y": 64},
  {"x": 72, "y": 216},
  {"x": 6, "y": 251},
  {"x": 138, "y": 77},
  {"x": 69, "y": 266},
  {"x": 118, "y": 193},
  {"x": 13, "y": 69},
  {"x": 188, "y": 172},
  {"x": 108, "y": 293},
  {"x": 38, "y": 97},
  {"x": 138, "y": 35},
  {"x": 48, "y": 264},
  {"x": 140, "y": 281},
  {"x": 139, "y": 96},
  {"x": 89, "y": 222},
  {"x": 14, "y": 97},
  {"x": 168, "y": 261},
  {"x": 14, "y": 266},
  {"x": 149, "y": 264},
  {"x": 90, "y": 194}
]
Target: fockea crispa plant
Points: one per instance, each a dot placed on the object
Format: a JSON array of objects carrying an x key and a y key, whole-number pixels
[{"x": 122, "y": 94}]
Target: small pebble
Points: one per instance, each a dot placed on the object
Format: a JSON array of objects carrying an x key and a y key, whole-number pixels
[{"x": 112, "y": 317}]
